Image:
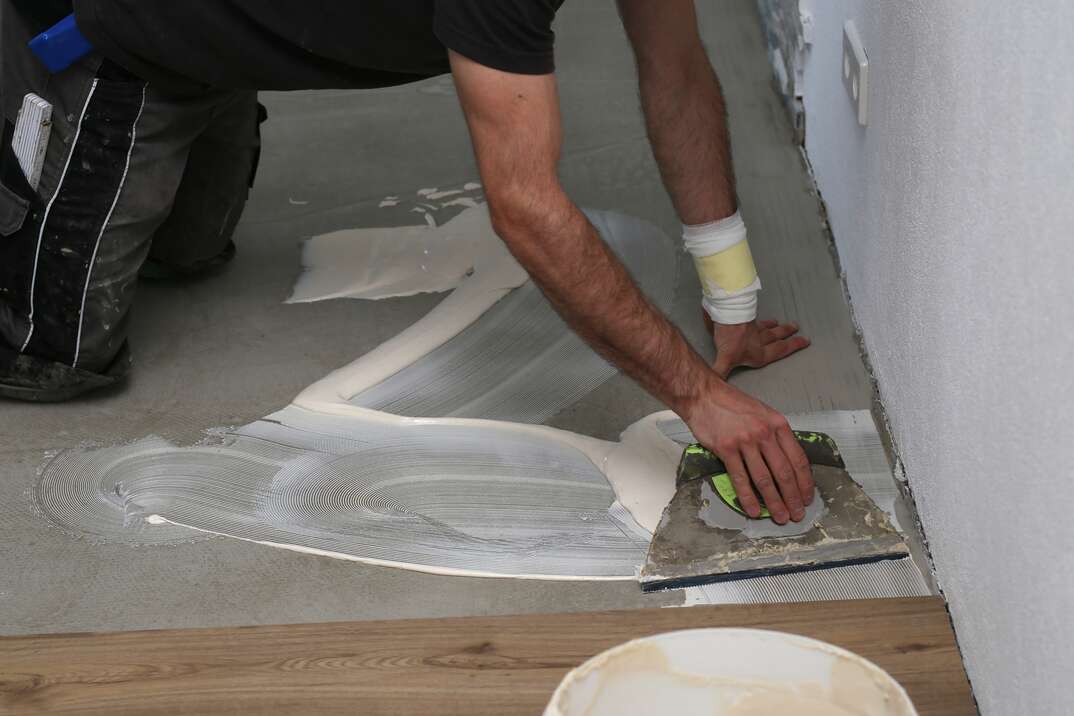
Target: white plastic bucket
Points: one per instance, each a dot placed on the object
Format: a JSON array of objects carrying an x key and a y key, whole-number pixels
[{"x": 729, "y": 672}]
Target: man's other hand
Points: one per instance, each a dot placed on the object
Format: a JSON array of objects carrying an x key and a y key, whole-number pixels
[
  {"x": 754, "y": 344},
  {"x": 758, "y": 448}
]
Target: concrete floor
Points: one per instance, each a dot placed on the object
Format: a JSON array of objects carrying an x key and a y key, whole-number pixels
[{"x": 225, "y": 351}]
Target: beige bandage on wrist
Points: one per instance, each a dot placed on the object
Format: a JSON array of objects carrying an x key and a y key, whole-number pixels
[{"x": 725, "y": 266}]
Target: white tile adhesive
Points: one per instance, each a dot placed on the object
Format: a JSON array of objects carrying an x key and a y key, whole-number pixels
[
  {"x": 426, "y": 453},
  {"x": 438, "y": 493},
  {"x": 391, "y": 261},
  {"x": 434, "y": 255}
]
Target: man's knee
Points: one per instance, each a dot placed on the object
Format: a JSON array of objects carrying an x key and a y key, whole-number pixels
[
  {"x": 220, "y": 169},
  {"x": 27, "y": 377}
]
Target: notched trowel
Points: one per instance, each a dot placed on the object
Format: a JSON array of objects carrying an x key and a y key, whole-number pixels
[{"x": 705, "y": 536}]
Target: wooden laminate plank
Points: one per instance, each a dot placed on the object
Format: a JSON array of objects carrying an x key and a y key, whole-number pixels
[{"x": 478, "y": 665}]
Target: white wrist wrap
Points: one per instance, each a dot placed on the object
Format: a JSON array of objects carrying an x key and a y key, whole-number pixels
[{"x": 725, "y": 266}]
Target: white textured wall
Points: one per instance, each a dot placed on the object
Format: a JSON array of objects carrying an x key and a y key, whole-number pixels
[{"x": 954, "y": 217}]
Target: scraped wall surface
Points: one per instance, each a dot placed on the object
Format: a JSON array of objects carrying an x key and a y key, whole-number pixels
[
  {"x": 953, "y": 212},
  {"x": 787, "y": 37}
]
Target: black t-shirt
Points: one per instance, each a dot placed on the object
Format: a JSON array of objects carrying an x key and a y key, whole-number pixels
[
  {"x": 43, "y": 14},
  {"x": 309, "y": 44}
]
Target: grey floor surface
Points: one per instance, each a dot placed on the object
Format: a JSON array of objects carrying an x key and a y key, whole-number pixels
[{"x": 225, "y": 350}]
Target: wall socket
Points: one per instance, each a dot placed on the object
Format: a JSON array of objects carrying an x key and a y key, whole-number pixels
[{"x": 856, "y": 71}]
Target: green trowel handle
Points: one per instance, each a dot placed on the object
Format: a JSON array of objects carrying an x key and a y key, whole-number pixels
[{"x": 698, "y": 462}]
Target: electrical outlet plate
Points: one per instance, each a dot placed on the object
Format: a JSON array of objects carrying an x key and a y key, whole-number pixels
[{"x": 856, "y": 71}]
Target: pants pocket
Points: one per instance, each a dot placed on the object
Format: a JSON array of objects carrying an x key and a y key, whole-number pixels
[
  {"x": 13, "y": 210},
  {"x": 17, "y": 197}
]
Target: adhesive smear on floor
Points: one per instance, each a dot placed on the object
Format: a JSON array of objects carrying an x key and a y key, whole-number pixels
[
  {"x": 394, "y": 459},
  {"x": 433, "y": 255}
]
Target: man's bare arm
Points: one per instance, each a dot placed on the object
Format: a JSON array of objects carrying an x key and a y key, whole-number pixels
[
  {"x": 687, "y": 124},
  {"x": 515, "y": 126},
  {"x": 684, "y": 108},
  {"x": 514, "y": 123}
]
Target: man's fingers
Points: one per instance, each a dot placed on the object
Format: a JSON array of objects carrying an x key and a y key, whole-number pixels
[
  {"x": 768, "y": 323},
  {"x": 781, "y": 349},
  {"x": 779, "y": 331},
  {"x": 746, "y": 496},
  {"x": 803, "y": 473},
  {"x": 783, "y": 474},
  {"x": 762, "y": 480}
]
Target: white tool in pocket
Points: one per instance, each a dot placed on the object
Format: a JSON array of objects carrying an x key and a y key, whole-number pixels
[{"x": 30, "y": 140}]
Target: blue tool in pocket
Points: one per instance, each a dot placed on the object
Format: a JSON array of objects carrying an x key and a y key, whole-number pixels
[{"x": 61, "y": 45}]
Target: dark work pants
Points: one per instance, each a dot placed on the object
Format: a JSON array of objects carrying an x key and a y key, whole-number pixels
[{"x": 130, "y": 172}]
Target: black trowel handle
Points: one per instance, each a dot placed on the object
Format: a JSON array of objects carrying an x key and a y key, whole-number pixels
[{"x": 698, "y": 461}]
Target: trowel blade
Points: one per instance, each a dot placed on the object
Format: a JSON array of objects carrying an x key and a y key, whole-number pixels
[{"x": 686, "y": 551}]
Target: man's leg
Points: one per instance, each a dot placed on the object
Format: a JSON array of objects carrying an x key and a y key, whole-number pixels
[
  {"x": 196, "y": 237},
  {"x": 48, "y": 255},
  {"x": 71, "y": 249}
]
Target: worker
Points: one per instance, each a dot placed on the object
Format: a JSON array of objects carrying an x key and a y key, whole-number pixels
[{"x": 154, "y": 143}]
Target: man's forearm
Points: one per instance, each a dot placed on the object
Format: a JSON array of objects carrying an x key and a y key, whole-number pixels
[
  {"x": 687, "y": 123},
  {"x": 514, "y": 122},
  {"x": 595, "y": 294},
  {"x": 686, "y": 120}
]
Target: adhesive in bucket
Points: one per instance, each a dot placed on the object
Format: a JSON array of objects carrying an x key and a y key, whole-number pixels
[{"x": 729, "y": 672}]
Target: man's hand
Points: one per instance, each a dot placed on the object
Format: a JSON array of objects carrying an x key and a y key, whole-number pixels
[
  {"x": 754, "y": 344},
  {"x": 760, "y": 451}
]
